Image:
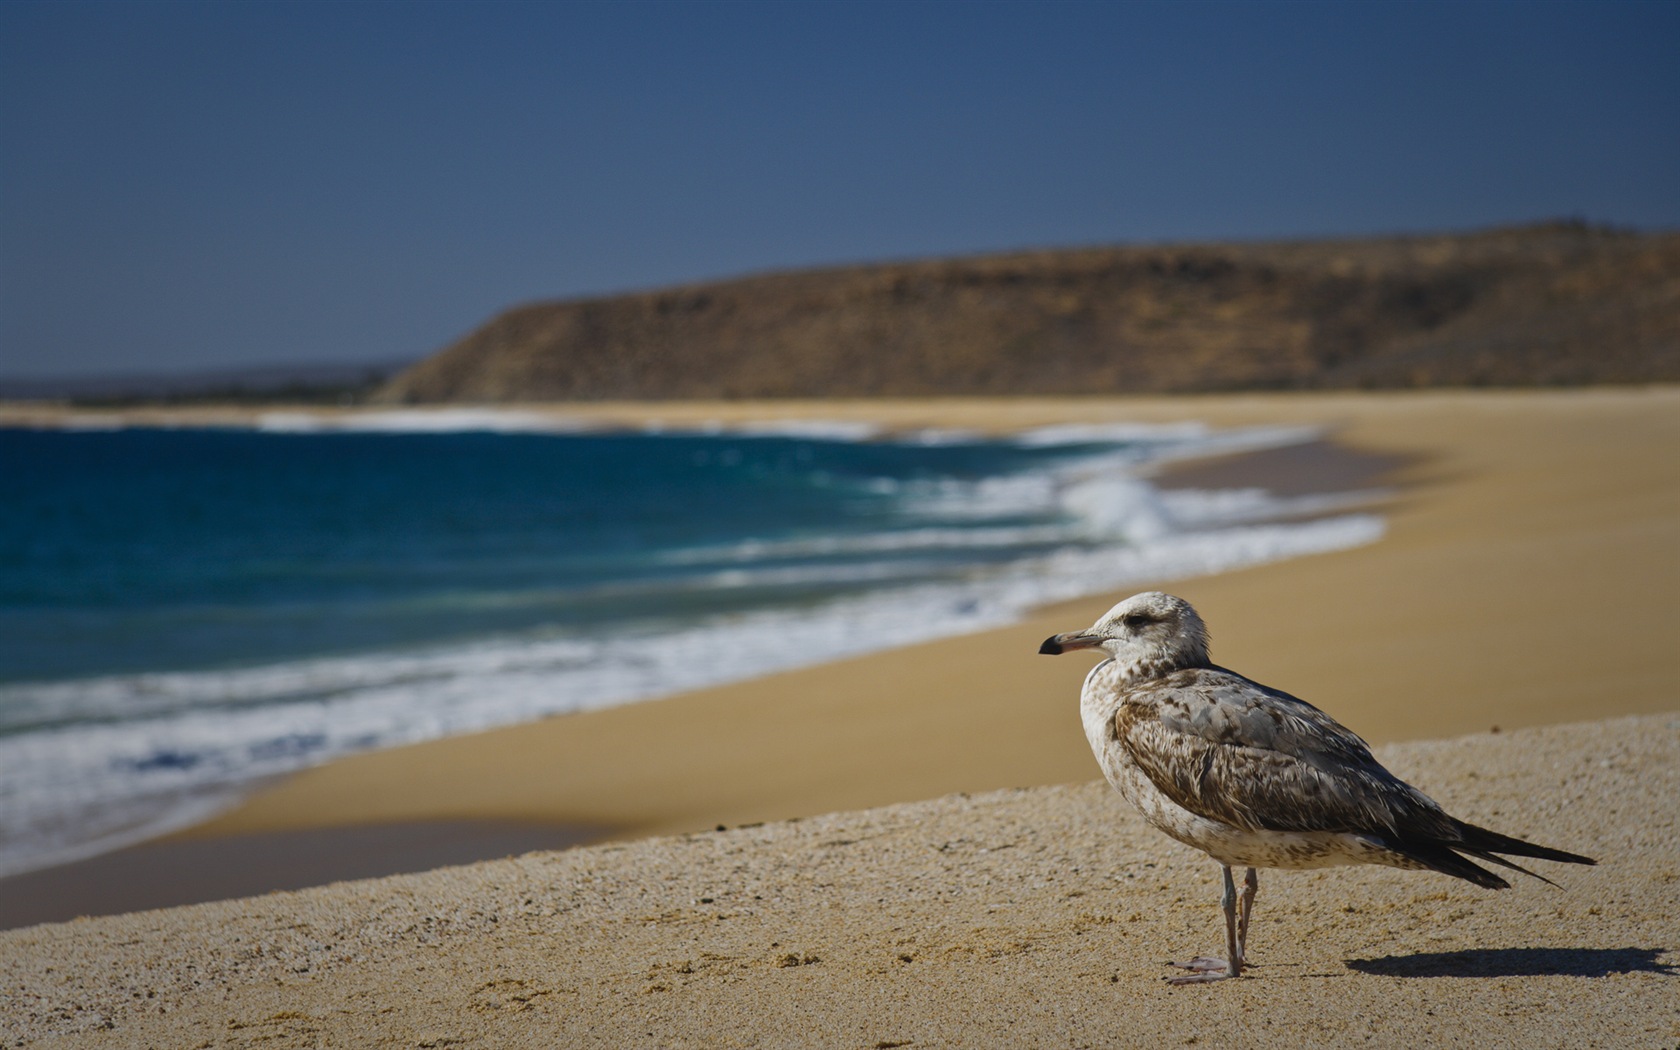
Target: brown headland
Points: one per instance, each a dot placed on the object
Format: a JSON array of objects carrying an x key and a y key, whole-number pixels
[{"x": 1552, "y": 304}]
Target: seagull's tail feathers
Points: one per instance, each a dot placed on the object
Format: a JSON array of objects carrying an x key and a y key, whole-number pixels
[
  {"x": 1438, "y": 856},
  {"x": 1480, "y": 842},
  {"x": 1443, "y": 855}
]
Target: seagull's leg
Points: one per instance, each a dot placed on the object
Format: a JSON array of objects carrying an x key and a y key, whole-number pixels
[
  {"x": 1233, "y": 951},
  {"x": 1251, "y": 886},
  {"x": 1205, "y": 969}
]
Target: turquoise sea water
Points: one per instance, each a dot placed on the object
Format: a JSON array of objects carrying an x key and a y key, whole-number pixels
[{"x": 183, "y": 611}]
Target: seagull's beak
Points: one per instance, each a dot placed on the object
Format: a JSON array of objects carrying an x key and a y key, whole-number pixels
[{"x": 1057, "y": 644}]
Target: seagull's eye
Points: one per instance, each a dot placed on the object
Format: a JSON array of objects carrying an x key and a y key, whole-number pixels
[{"x": 1134, "y": 620}]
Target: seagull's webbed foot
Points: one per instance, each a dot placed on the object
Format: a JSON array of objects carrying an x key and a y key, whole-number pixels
[
  {"x": 1204, "y": 970},
  {"x": 1201, "y": 964}
]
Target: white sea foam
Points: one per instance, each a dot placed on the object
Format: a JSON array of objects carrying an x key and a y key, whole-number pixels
[
  {"x": 933, "y": 436},
  {"x": 898, "y": 541},
  {"x": 1169, "y": 440},
  {"x": 420, "y": 421},
  {"x": 90, "y": 764},
  {"x": 515, "y": 421},
  {"x": 1110, "y": 433},
  {"x": 85, "y": 787},
  {"x": 811, "y": 429},
  {"x": 81, "y": 422},
  {"x": 1166, "y": 440},
  {"x": 1200, "y": 508}
]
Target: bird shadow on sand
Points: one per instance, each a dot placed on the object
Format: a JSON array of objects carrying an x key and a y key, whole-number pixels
[{"x": 1520, "y": 962}]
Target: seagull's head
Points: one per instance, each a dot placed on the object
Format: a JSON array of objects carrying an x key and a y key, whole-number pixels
[{"x": 1149, "y": 629}]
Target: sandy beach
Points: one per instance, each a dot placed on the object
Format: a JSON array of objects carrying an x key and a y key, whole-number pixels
[
  {"x": 1527, "y": 579},
  {"x": 1037, "y": 917}
]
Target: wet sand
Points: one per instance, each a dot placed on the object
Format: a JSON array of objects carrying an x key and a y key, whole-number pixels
[{"x": 173, "y": 872}]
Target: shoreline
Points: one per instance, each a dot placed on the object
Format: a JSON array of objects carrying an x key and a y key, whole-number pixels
[
  {"x": 169, "y": 872},
  {"x": 146, "y": 874},
  {"x": 1471, "y": 474},
  {"x": 987, "y": 415},
  {"x": 1506, "y": 503}
]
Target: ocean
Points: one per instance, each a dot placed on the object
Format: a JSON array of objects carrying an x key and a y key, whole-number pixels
[{"x": 186, "y": 612}]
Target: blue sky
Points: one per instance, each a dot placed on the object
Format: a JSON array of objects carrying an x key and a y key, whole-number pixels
[{"x": 187, "y": 185}]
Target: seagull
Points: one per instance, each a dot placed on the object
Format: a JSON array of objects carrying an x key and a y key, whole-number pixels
[{"x": 1252, "y": 776}]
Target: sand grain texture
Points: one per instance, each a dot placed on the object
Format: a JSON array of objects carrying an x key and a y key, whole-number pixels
[{"x": 1035, "y": 917}]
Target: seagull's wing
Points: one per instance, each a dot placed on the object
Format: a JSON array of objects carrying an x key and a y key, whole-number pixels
[{"x": 1235, "y": 751}]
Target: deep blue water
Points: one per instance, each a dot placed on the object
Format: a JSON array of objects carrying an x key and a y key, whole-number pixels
[{"x": 141, "y": 550}]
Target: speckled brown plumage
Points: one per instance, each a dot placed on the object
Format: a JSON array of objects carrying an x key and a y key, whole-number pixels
[{"x": 1250, "y": 775}]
